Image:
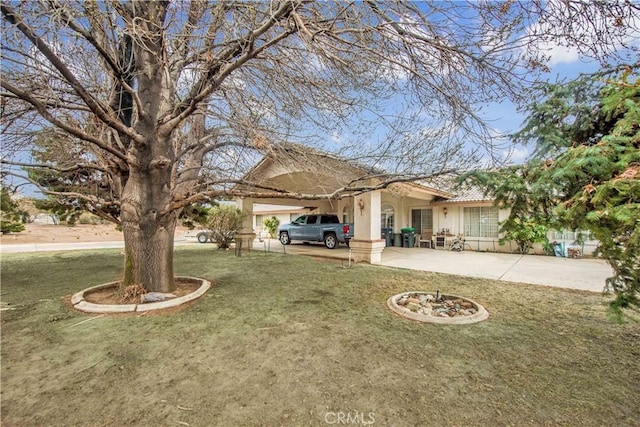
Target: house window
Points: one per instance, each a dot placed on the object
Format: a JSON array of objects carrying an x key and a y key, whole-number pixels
[
  {"x": 259, "y": 219},
  {"x": 387, "y": 216},
  {"x": 345, "y": 215},
  {"x": 481, "y": 222},
  {"x": 422, "y": 219}
]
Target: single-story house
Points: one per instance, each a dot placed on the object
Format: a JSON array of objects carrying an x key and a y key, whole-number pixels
[{"x": 436, "y": 210}]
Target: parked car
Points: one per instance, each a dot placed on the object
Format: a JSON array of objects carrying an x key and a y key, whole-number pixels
[{"x": 316, "y": 228}]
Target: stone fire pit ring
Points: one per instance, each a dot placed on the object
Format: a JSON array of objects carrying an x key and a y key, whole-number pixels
[
  {"x": 479, "y": 313},
  {"x": 78, "y": 300}
]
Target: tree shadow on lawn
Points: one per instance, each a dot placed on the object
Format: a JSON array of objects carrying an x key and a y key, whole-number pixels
[{"x": 288, "y": 340}]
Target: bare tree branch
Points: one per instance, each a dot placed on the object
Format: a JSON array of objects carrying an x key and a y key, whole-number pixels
[
  {"x": 75, "y": 167},
  {"x": 100, "y": 110},
  {"x": 44, "y": 112}
]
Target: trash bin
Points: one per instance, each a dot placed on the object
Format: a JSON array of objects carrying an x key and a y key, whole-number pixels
[
  {"x": 387, "y": 235},
  {"x": 397, "y": 239},
  {"x": 558, "y": 249},
  {"x": 408, "y": 236}
]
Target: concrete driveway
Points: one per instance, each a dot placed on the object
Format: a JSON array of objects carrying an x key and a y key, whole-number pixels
[{"x": 584, "y": 274}]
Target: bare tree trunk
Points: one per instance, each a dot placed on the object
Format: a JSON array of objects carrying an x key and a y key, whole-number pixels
[
  {"x": 148, "y": 233},
  {"x": 149, "y": 257},
  {"x": 148, "y": 239}
]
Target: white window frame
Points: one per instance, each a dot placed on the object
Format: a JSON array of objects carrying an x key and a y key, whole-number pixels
[
  {"x": 481, "y": 221},
  {"x": 426, "y": 216}
]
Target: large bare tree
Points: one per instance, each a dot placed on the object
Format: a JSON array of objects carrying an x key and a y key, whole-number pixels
[{"x": 162, "y": 104}]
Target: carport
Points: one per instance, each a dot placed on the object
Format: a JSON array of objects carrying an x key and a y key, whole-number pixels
[{"x": 323, "y": 183}]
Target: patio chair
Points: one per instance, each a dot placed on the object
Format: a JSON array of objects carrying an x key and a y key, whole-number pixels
[
  {"x": 441, "y": 241},
  {"x": 426, "y": 238}
]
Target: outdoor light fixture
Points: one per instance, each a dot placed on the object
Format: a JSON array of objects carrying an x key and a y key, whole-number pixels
[
  {"x": 361, "y": 205},
  {"x": 444, "y": 211}
]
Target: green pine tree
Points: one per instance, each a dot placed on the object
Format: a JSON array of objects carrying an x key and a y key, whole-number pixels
[
  {"x": 12, "y": 218},
  {"x": 585, "y": 172}
]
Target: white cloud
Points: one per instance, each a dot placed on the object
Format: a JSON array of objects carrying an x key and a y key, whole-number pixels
[
  {"x": 516, "y": 155},
  {"x": 560, "y": 54},
  {"x": 336, "y": 138}
]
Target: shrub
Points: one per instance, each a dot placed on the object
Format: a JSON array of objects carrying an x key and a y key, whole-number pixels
[
  {"x": 271, "y": 224},
  {"x": 224, "y": 222},
  {"x": 88, "y": 218},
  {"x": 524, "y": 232}
]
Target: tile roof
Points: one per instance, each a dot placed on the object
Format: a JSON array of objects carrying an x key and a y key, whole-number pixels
[
  {"x": 470, "y": 194},
  {"x": 460, "y": 193}
]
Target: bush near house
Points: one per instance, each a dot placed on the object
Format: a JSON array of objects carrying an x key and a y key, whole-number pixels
[
  {"x": 271, "y": 225},
  {"x": 525, "y": 233}
]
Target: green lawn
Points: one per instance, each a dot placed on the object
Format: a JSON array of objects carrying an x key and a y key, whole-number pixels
[{"x": 288, "y": 340}]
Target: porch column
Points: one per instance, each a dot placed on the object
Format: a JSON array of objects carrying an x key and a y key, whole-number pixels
[
  {"x": 246, "y": 233},
  {"x": 366, "y": 244}
]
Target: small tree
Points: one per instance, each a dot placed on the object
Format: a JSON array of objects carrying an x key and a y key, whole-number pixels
[
  {"x": 224, "y": 222},
  {"x": 271, "y": 224},
  {"x": 11, "y": 216},
  {"x": 525, "y": 232}
]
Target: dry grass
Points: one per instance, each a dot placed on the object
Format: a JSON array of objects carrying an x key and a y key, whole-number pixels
[{"x": 287, "y": 340}]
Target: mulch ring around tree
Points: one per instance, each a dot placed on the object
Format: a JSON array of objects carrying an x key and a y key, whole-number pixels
[
  {"x": 187, "y": 290},
  {"x": 132, "y": 294}
]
